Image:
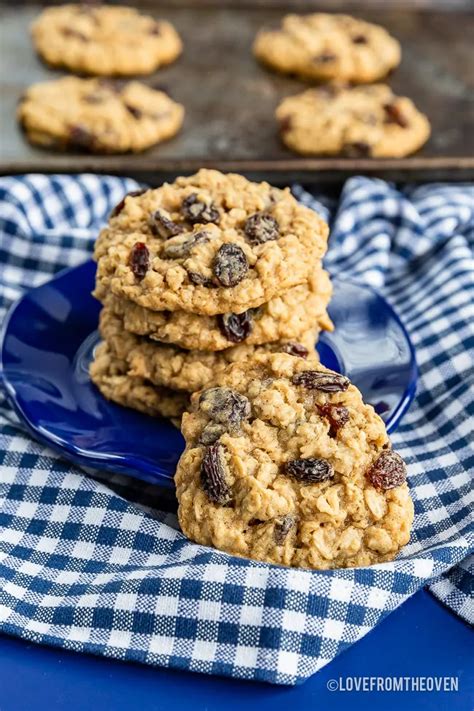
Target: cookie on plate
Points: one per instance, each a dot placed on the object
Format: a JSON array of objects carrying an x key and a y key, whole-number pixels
[
  {"x": 104, "y": 40},
  {"x": 172, "y": 367},
  {"x": 364, "y": 121},
  {"x": 284, "y": 317},
  {"x": 208, "y": 244},
  {"x": 326, "y": 47},
  {"x": 110, "y": 375},
  {"x": 285, "y": 463},
  {"x": 98, "y": 116}
]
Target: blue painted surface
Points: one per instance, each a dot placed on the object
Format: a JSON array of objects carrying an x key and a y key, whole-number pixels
[
  {"x": 421, "y": 638},
  {"x": 49, "y": 337}
]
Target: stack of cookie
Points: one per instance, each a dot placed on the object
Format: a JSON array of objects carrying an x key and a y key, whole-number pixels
[{"x": 201, "y": 273}]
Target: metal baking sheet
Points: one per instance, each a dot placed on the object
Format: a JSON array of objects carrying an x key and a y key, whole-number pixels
[{"x": 230, "y": 99}]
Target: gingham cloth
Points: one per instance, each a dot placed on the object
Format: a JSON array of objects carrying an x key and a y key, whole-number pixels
[{"x": 92, "y": 564}]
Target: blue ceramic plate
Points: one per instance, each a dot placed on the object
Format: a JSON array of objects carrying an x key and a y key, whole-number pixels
[{"x": 48, "y": 340}]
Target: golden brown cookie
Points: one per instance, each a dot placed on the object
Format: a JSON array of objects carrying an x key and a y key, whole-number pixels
[
  {"x": 172, "y": 367},
  {"x": 285, "y": 463},
  {"x": 110, "y": 375},
  {"x": 104, "y": 40},
  {"x": 208, "y": 244},
  {"x": 326, "y": 47},
  {"x": 283, "y": 318},
  {"x": 97, "y": 115},
  {"x": 365, "y": 121}
]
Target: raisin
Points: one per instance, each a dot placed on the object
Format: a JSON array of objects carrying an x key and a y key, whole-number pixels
[
  {"x": 211, "y": 433},
  {"x": 285, "y": 124},
  {"x": 236, "y": 327},
  {"x": 317, "y": 380},
  {"x": 230, "y": 264},
  {"x": 225, "y": 406},
  {"x": 69, "y": 32},
  {"x": 261, "y": 228},
  {"x": 309, "y": 471},
  {"x": 324, "y": 58},
  {"x": 120, "y": 205},
  {"x": 358, "y": 149},
  {"x": 155, "y": 30},
  {"x": 80, "y": 137},
  {"x": 162, "y": 226},
  {"x": 136, "y": 113},
  {"x": 388, "y": 471},
  {"x": 295, "y": 349},
  {"x": 196, "y": 211},
  {"x": 359, "y": 39},
  {"x": 180, "y": 246},
  {"x": 139, "y": 260},
  {"x": 338, "y": 416},
  {"x": 213, "y": 474},
  {"x": 199, "y": 279},
  {"x": 282, "y": 527},
  {"x": 393, "y": 114}
]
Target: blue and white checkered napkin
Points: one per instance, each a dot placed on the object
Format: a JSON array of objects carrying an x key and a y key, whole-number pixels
[{"x": 92, "y": 564}]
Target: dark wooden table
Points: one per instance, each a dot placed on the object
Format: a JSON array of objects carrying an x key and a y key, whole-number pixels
[{"x": 230, "y": 99}]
